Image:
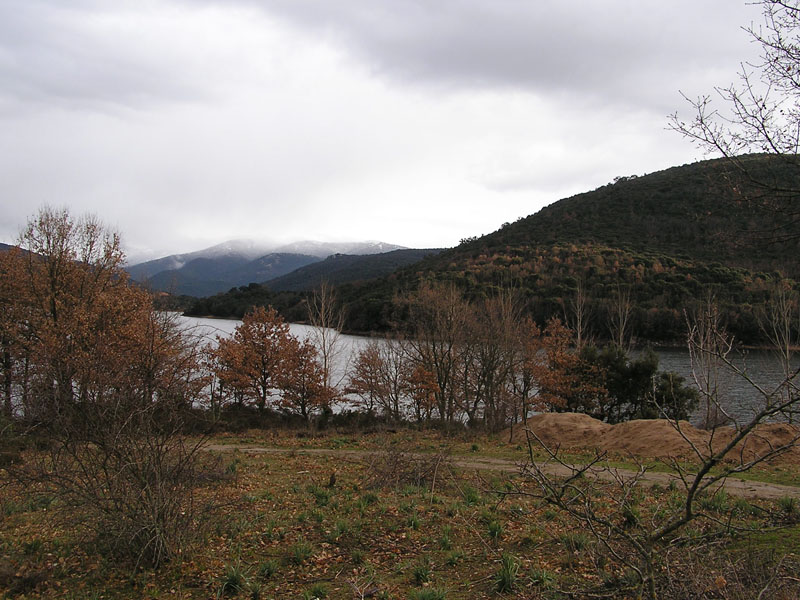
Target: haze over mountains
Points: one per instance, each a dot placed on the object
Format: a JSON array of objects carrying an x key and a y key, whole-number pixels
[
  {"x": 240, "y": 262},
  {"x": 660, "y": 244}
]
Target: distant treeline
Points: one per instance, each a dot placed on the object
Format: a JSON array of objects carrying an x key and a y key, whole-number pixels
[{"x": 658, "y": 291}]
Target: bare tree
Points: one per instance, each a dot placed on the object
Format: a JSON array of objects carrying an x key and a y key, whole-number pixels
[
  {"x": 440, "y": 315},
  {"x": 620, "y": 316},
  {"x": 528, "y": 353},
  {"x": 780, "y": 322},
  {"x": 498, "y": 321},
  {"x": 577, "y": 314},
  {"x": 709, "y": 348},
  {"x": 760, "y": 114},
  {"x": 327, "y": 319}
]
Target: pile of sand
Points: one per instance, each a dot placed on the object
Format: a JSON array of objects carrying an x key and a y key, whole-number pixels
[
  {"x": 765, "y": 438},
  {"x": 565, "y": 430},
  {"x": 655, "y": 438}
]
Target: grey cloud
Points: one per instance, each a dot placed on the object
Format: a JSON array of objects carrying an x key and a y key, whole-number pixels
[
  {"x": 623, "y": 51},
  {"x": 279, "y": 129},
  {"x": 81, "y": 54}
]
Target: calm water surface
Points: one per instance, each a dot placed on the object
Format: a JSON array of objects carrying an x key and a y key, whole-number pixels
[
  {"x": 348, "y": 346},
  {"x": 741, "y": 399}
]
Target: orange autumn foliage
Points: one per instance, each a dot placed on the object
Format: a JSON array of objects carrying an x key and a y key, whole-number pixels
[
  {"x": 263, "y": 363},
  {"x": 554, "y": 365}
]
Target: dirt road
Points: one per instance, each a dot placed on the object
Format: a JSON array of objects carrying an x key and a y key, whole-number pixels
[{"x": 735, "y": 487}]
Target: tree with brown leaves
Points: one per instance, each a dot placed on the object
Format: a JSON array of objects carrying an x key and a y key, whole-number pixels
[
  {"x": 250, "y": 362},
  {"x": 302, "y": 380},
  {"x": 105, "y": 380}
]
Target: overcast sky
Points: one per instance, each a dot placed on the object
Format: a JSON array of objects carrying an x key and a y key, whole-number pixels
[{"x": 184, "y": 123}]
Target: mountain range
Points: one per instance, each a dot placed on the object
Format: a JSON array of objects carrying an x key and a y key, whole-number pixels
[
  {"x": 661, "y": 244},
  {"x": 240, "y": 262}
]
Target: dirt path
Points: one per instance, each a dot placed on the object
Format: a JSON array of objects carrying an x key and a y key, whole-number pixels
[{"x": 735, "y": 487}]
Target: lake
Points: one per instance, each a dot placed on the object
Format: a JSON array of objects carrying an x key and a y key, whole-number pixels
[
  {"x": 348, "y": 346},
  {"x": 741, "y": 398}
]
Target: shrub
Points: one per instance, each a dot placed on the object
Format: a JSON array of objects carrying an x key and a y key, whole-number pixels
[
  {"x": 507, "y": 575},
  {"x": 788, "y": 506},
  {"x": 11, "y": 443},
  {"x": 716, "y": 502},
  {"x": 399, "y": 467},
  {"x": 471, "y": 495},
  {"x": 454, "y": 557},
  {"x": 495, "y": 530},
  {"x": 300, "y": 552},
  {"x": 421, "y": 572},
  {"x": 111, "y": 382},
  {"x": 630, "y": 516},
  {"x": 234, "y": 580},
  {"x": 321, "y": 495},
  {"x": 444, "y": 540},
  {"x": 318, "y": 591},
  {"x": 575, "y": 542},
  {"x": 542, "y": 577},
  {"x": 268, "y": 569}
]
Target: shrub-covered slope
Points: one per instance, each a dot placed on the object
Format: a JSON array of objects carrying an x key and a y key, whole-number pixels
[{"x": 668, "y": 240}]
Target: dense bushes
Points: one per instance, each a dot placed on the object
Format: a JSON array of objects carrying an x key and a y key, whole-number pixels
[{"x": 633, "y": 388}]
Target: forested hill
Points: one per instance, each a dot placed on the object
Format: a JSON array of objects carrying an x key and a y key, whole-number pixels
[
  {"x": 345, "y": 268},
  {"x": 703, "y": 211},
  {"x": 667, "y": 240},
  {"x": 286, "y": 293}
]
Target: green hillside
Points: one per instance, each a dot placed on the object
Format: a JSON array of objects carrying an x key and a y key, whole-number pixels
[
  {"x": 702, "y": 211},
  {"x": 669, "y": 240}
]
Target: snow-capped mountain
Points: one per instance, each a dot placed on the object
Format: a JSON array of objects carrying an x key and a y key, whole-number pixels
[
  {"x": 239, "y": 262},
  {"x": 325, "y": 249}
]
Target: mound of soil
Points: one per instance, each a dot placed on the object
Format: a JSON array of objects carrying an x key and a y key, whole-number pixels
[
  {"x": 764, "y": 439},
  {"x": 651, "y": 438},
  {"x": 657, "y": 438},
  {"x": 565, "y": 430}
]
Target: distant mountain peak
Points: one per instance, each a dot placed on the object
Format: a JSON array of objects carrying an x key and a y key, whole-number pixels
[
  {"x": 247, "y": 248},
  {"x": 324, "y": 249},
  {"x": 241, "y": 261}
]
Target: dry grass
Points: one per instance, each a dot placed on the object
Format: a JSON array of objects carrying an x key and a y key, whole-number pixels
[{"x": 283, "y": 531}]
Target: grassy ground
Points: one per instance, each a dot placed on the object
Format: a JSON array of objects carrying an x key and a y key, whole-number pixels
[
  {"x": 281, "y": 529},
  {"x": 471, "y": 445}
]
